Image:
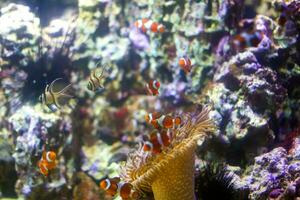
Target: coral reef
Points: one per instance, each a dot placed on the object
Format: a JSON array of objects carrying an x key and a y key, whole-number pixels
[
  {"x": 275, "y": 174},
  {"x": 245, "y": 94},
  {"x": 31, "y": 133},
  {"x": 245, "y": 64},
  {"x": 19, "y": 35}
]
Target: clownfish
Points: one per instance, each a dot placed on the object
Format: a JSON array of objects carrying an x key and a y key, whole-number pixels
[
  {"x": 95, "y": 80},
  {"x": 247, "y": 39},
  {"x": 157, "y": 141},
  {"x": 147, "y": 24},
  {"x": 114, "y": 186},
  {"x": 153, "y": 87},
  {"x": 157, "y": 120},
  {"x": 47, "y": 162},
  {"x": 51, "y": 98},
  {"x": 185, "y": 64}
]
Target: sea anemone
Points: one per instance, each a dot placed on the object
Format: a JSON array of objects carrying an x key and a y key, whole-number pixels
[{"x": 170, "y": 174}]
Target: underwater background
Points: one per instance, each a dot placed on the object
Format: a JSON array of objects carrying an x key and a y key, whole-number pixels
[{"x": 211, "y": 86}]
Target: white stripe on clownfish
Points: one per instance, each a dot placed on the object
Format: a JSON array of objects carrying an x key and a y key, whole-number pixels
[
  {"x": 173, "y": 121},
  {"x": 148, "y": 24},
  {"x": 139, "y": 23},
  {"x": 159, "y": 139},
  {"x": 149, "y": 144},
  {"x": 47, "y": 157},
  {"x": 154, "y": 84},
  {"x": 120, "y": 185},
  {"x": 160, "y": 26},
  {"x": 160, "y": 120},
  {"x": 169, "y": 134},
  {"x": 45, "y": 167},
  {"x": 108, "y": 184},
  {"x": 150, "y": 117}
]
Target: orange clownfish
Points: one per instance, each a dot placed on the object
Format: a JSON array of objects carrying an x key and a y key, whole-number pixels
[
  {"x": 157, "y": 141},
  {"x": 158, "y": 120},
  {"x": 185, "y": 64},
  {"x": 153, "y": 87},
  {"x": 247, "y": 39},
  {"x": 114, "y": 186},
  {"x": 47, "y": 162},
  {"x": 147, "y": 24}
]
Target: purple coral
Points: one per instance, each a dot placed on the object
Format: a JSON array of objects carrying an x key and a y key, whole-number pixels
[
  {"x": 272, "y": 171},
  {"x": 275, "y": 193},
  {"x": 230, "y": 12},
  {"x": 12, "y": 81},
  {"x": 138, "y": 39},
  {"x": 174, "y": 92},
  {"x": 267, "y": 172}
]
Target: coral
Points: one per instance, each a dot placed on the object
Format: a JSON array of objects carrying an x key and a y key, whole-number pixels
[
  {"x": 254, "y": 93},
  {"x": 267, "y": 171},
  {"x": 174, "y": 93},
  {"x": 138, "y": 39},
  {"x": 8, "y": 175},
  {"x": 85, "y": 189},
  {"x": 230, "y": 12},
  {"x": 31, "y": 131},
  {"x": 288, "y": 17},
  {"x": 31, "y": 134},
  {"x": 245, "y": 93},
  {"x": 19, "y": 35},
  {"x": 275, "y": 173},
  {"x": 170, "y": 174},
  {"x": 99, "y": 165},
  {"x": 12, "y": 83},
  {"x": 113, "y": 47}
]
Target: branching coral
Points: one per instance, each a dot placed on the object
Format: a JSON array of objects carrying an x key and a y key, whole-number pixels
[{"x": 170, "y": 174}]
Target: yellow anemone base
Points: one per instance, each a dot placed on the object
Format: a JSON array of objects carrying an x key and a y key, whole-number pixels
[{"x": 176, "y": 182}]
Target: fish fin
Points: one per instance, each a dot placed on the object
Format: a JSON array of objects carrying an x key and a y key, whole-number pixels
[
  {"x": 51, "y": 85},
  {"x": 102, "y": 71},
  {"x": 47, "y": 88},
  {"x": 66, "y": 95},
  {"x": 94, "y": 74},
  {"x": 153, "y": 135},
  {"x": 62, "y": 100},
  {"x": 148, "y": 91},
  {"x": 116, "y": 179},
  {"x": 64, "y": 89},
  {"x": 98, "y": 63},
  {"x": 99, "y": 90}
]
